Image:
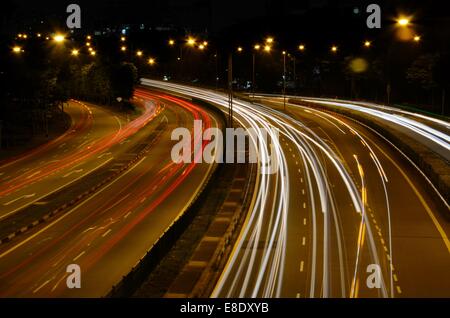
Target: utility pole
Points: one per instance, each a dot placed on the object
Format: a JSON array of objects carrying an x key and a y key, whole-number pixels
[
  {"x": 230, "y": 89},
  {"x": 253, "y": 75},
  {"x": 284, "y": 80}
]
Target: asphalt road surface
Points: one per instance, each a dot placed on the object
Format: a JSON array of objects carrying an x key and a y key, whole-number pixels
[
  {"x": 342, "y": 204},
  {"x": 107, "y": 234}
]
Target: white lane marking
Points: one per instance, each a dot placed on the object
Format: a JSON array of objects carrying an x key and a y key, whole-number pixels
[
  {"x": 301, "y": 266},
  {"x": 303, "y": 191},
  {"x": 104, "y": 154},
  {"x": 304, "y": 205},
  {"x": 72, "y": 172},
  {"x": 33, "y": 174},
  {"x": 37, "y": 289},
  {"x": 399, "y": 290},
  {"x": 107, "y": 232},
  {"x": 298, "y": 295},
  {"x": 395, "y": 278},
  {"x": 303, "y": 241},
  {"x": 304, "y": 221},
  {"x": 69, "y": 212},
  {"x": 126, "y": 215},
  {"x": 57, "y": 189},
  {"x": 59, "y": 281},
  {"x": 26, "y": 196},
  {"x": 88, "y": 229},
  {"x": 79, "y": 255}
]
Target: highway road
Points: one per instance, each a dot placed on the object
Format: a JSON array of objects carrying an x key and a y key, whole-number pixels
[
  {"x": 341, "y": 201},
  {"x": 27, "y": 178},
  {"x": 108, "y": 233}
]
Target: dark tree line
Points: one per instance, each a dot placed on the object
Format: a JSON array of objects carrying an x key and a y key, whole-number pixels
[{"x": 38, "y": 82}]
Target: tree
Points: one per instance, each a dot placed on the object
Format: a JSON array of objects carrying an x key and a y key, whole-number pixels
[{"x": 123, "y": 80}]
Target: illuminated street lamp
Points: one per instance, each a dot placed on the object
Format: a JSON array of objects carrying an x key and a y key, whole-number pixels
[
  {"x": 151, "y": 61},
  {"x": 171, "y": 42},
  {"x": 240, "y": 49},
  {"x": 25, "y": 36},
  {"x": 93, "y": 53},
  {"x": 201, "y": 47},
  {"x": 269, "y": 40},
  {"x": 59, "y": 38},
  {"x": 38, "y": 35},
  {"x": 75, "y": 52},
  {"x": 17, "y": 49},
  {"x": 367, "y": 43},
  {"x": 88, "y": 37},
  {"x": 417, "y": 38},
  {"x": 301, "y": 47},
  {"x": 257, "y": 47},
  {"x": 205, "y": 43},
  {"x": 88, "y": 44},
  {"x": 123, "y": 39},
  {"x": 123, "y": 48},
  {"x": 267, "y": 48},
  {"x": 139, "y": 53},
  {"x": 334, "y": 49},
  {"x": 403, "y": 22},
  {"x": 191, "y": 41}
]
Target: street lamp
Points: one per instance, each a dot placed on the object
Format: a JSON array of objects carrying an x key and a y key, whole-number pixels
[
  {"x": 139, "y": 53},
  {"x": 75, "y": 52},
  {"x": 88, "y": 37},
  {"x": 171, "y": 42},
  {"x": 59, "y": 38},
  {"x": 151, "y": 61},
  {"x": 240, "y": 49},
  {"x": 403, "y": 22},
  {"x": 123, "y": 48},
  {"x": 191, "y": 41},
  {"x": 334, "y": 49},
  {"x": 301, "y": 47},
  {"x": 269, "y": 40},
  {"x": 93, "y": 53},
  {"x": 123, "y": 39},
  {"x": 201, "y": 47},
  {"x": 17, "y": 49},
  {"x": 417, "y": 38},
  {"x": 256, "y": 48},
  {"x": 367, "y": 43},
  {"x": 284, "y": 80}
]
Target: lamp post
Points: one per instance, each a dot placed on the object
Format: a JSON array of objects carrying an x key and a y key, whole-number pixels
[
  {"x": 255, "y": 48},
  {"x": 284, "y": 80}
]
